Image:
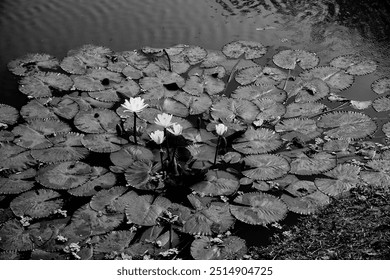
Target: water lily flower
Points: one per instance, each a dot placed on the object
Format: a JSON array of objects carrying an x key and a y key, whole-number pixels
[
  {"x": 221, "y": 129},
  {"x": 134, "y": 105},
  {"x": 164, "y": 120},
  {"x": 157, "y": 136},
  {"x": 176, "y": 129}
]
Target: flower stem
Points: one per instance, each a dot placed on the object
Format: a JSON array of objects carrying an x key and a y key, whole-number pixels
[
  {"x": 135, "y": 128},
  {"x": 166, "y": 138},
  {"x": 162, "y": 161},
  {"x": 216, "y": 151}
]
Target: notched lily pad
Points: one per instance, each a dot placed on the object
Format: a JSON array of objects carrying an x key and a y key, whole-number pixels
[
  {"x": 266, "y": 167},
  {"x": 354, "y": 64},
  {"x": 14, "y": 237},
  {"x": 334, "y": 77},
  {"x": 258, "y": 208},
  {"x": 381, "y": 104},
  {"x": 15, "y": 158},
  {"x": 379, "y": 176},
  {"x": 381, "y": 85},
  {"x": 312, "y": 164},
  {"x": 261, "y": 91},
  {"x": 288, "y": 59},
  {"x": 103, "y": 143},
  {"x": 258, "y": 141},
  {"x": 230, "y": 109},
  {"x": 251, "y": 49},
  {"x": 260, "y": 76},
  {"x": 128, "y": 154},
  {"x": 32, "y": 63},
  {"x": 217, "y": 183},
  {"x": 308, "y": 204},
  {"x": 97, "y": 121},
  {"x": 229, "y": 248},
  {"x": 8, "y": 115}
]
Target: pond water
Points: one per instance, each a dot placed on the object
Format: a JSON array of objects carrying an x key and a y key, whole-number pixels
[{"x": 328, "y": 27}]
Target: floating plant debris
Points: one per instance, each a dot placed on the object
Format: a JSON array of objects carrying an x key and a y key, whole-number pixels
[{"x": 72, "y": 151}]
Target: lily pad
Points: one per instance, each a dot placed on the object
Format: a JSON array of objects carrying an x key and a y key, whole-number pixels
[
  {"x": 301, "y": 188},
  {"x": 202, "y": 155},
  {"x": 29, "y": 138},
  {"x": 12, "y": 185},
  {"x": 294, "y": 110},
  {"x": 344, "y": 177},
  {"x": 304, "y": 129},
  {"x": 162, "y": 78},
  {"x": 344, "y": 125},
  {"x": 115, "y": 241},
  {"x": 260, "y": 76},
  {"x": 266, "y": 167},
  {"x": 97, "y": 121},
  {"x": 354, "y": 64},
  {"x": 196, "y": 104},
  {"x": 310, "y": 91},
  {"x": 103, "y": 143},
  {"x": 145, "y": 210},
  {"x": 113, "y": 200},
  {"x": 258, "y": 208},
  {"x": 270, "y": 110},
  {"x": 288, "y": 59},
  {"x": 386, "y": 129},
  {"x": 101, "y": 178},
  {"x": 36, "y": 203},
  {"x": 128, "y": 154},
  {"x": 381, "y": 104},
  {"x": 8, "y": 115},
  {"x": 252, "y": 50},
  {"x": 308, "y": 204},
  {"x": 229, "y": 248},
  {"x": 190, "y": 54},
  {"x": 230, "y": 109},
  {"x": 261, "y": 91},
  {"x": 15, "y": 158},
  {"x": 36, "y": 110},
  {"x": 312, "y": 164},
  {"x": 64, "y": 176},
  {"x": 196, "y": 85},
  {"x": 334, "y": 77},
  {"x": 32, "y": 63},
  {"x": 381, "y": 85},
  {"x": 257, "y": 141},
  {"x": 142, "y": 175},
  {"x": 14, "y": 237},
  {"x": 217, "y": 183},
  {"x": 379, "y": 176},
  {"x": 65, "y": 107}
]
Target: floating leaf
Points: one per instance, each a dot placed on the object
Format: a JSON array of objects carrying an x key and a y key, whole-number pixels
[
  {"x": 207, "y": 248},
  {"x": 144, "y": 210},
  {"x": 15, "y": 237},
  {"x": 36, "y": 110},
  {"x": 258, "y": 208},
  {"x": 304, "y": 129},
  {"x": 354, "y": 64},
  {"x": 67, "y": 147},
  {"x": 113, "y": 200},
  {"x": 288, "y": 59},
  {"x": 386, "y": 129},
  {"x": 64, "y": 176},
  {"x": 6, "y": 136},
  {"x": 37, "y": 203},
  {"x": 32, "y": 63},
  {"x": 334, "y": 77},
  {"x": 217, "y": 183},
  {"x": 265, "y": 167},
  {"x": 261, "y": 91},
  {"x": 191, "y": 54},
  {"x": 251, "y": 49},
  {"x": 258, "y": 141},
  {"x": 230, "y": 109},
  {"x": 8, "y": 115},
  {"x": 313, "y": 164},
  {"x": 381, "y": 104},
  {"x": 27, "y": 137},
  {"x": 101, "y": 178},
  {"x": 196, "y": 104},
  {"x": 128, "y": 154},
  {"x": 142, "y": 175},
  {"x": 15, "y": 185},
  {"x": 15, "y": 158},
  {"x": 344, "y": 178},
  {"x": 306, "y": 205},
  {"x": 301, "y": 188},
  {"x": 97, "y": 121},
  {"x": 381, "y": 85},
  {"x": 294, "y": 110},
  {"x": 310, "y": 91},
  {"x": 115, "y": 241},
  {"x": 380, "y": 174},
  {"x": 336, "y": 145},
  {"x": 162, "y": 78},
  {"x": 86, "y": 222},
  {"x": 347, "y": 125},
  {"x": 260, "y": 76},
  {"x": 103, "y": 143}
]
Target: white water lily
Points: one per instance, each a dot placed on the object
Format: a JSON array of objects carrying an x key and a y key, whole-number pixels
[
  {"x": 134, "y": 105},
  {"x": 221, "y": 129},
  {"x": 157, "y": 136},
  {"x": 164, "y": 120},
  {"x": 176, "y": 129}
]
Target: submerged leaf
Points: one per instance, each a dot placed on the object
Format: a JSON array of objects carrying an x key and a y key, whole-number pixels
[{"x": 258, "y": 208}]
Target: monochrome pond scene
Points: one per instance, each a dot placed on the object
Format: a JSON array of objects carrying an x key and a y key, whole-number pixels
[{"x": 196, "y": 130}]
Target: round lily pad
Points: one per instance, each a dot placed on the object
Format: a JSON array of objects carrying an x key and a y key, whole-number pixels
[
  {"x": 265, "y": 167},
  {"x": 15, "y": 158},
  {"x": 113, "y": 200},
  {"x": 142, "y": 175},
  {"x": 14, "y": 237},
  {"x": 251, "y": 49},
  {"x": 354, "y": 64},
  {"x": 306, "y": 205},
  {"x": 37, "y": 203},
  {"x": 304, "y": 129},
  {"x": 97, "y": 121},
  {"x": 294, "y": 110},
  {"x": 379, "y": 176},
  {"x": 288, "y": 59},
  {"x": 257, "y": 141},
  {"x": 260, "y": 76},
  {"x": 8, "y": 115},
  {"x": 381, "y": 104},
  {"x": 32, "y": 63},
  {"x": 36, "y": 110},
  {"x": 103, "y": 143},
  {"x": 381, "y": 85},
  {"x": 258, "y": 208},
  {"x": 230, "y": 109},
  {"x": 65, "y": 107},
  {"x": 334, "y": 77},
  {"x": 115, "y": 241},
  {"x": 128, "y": 154},
  {"x": 64, "y": 176},
  {"x": 217, "y": 183},
  {"x": 261, "y": 91},
  {"x": 229, "y": 248},
  {"x": 312, "y": 164},
  {"x": 14, "y": 186}
]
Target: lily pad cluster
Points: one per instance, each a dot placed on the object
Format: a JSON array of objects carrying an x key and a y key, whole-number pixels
[{"x": 239, "y": 142}]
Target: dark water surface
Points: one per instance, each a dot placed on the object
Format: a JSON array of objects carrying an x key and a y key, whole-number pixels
[{"x": 328, "y": 27}]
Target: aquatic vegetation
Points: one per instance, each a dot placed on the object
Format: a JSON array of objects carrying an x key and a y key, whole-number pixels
[{"x": 165, "y": 152}]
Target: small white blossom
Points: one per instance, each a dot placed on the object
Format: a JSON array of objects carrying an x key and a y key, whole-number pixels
[
  {"x": 221, "y": 129},
  {"x": 157, "y": 136},
  {"x": 164, "y": 120},
  {"x": 176, "y": 129},
  {"x": 134, "y": 105}
]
